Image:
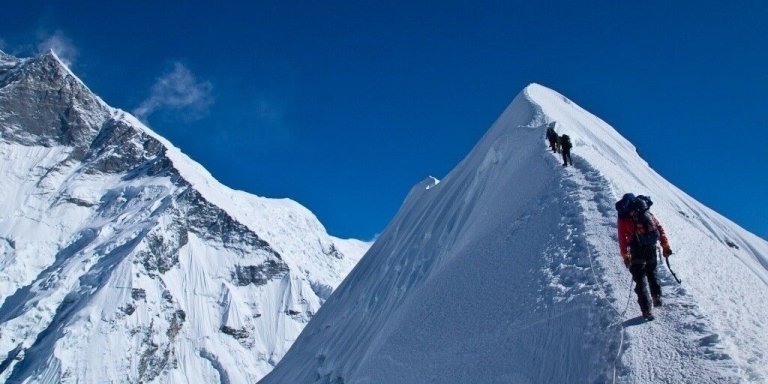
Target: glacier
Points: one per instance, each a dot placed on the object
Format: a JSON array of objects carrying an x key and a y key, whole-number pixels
[
  {"x": 508, "y": 271},
  {"x": 123, "y": 260}
]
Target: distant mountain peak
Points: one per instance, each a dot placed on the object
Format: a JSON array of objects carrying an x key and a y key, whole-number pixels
[
  {"x": 51, "y": 55},
  {"x": 6, "y": 57},
  {"x": 118, "y": 238}
]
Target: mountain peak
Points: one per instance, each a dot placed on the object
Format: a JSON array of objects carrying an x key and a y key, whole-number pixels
[
  {"x": 118, "y": 238},
  {"x": 533, "y": 87},
  {"x": 51, "y": 56},
  {"x": 536, "y": 91},
  {"x": 508, "y": 271},
  {"x": 7, "y": 62},
  {"x": 49, "y": 105}
]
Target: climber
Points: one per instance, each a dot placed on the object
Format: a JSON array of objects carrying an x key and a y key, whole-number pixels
[
  {"x": 639, "y": 231},
  {"x": 565, "y": 148},
  {"x": 552, "y": 137}
]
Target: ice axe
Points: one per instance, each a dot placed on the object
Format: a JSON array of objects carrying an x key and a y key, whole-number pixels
[{"x": 666, "y": 258}]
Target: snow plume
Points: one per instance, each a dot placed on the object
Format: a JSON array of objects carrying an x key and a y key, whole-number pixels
[
  {"x": 60, "y": 44},
  {"x": 178, "y": 90}
]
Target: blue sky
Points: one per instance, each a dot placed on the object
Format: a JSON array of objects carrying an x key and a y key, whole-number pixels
[{"x": 343, "y": 106}]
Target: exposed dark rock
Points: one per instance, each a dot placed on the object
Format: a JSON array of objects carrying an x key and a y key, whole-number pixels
[
  {"x": 120, "y": 147},
  {"x": 162, "y": 252},
  {"x": 211, "y": 222},
  {"x": 236, "y": 333},
  {"x": 156, "y": 358},
  {"x": 259, "y": 274},
  {"x": 731, "y": 244},
  {"x": 300, "y": 316},
  {"x": 50, "y": 105},
  {"x": 149, "y": 365},
  {"x": 138, "y": 294},
  {"x": 332, "y": 251},
  {"x": 176, "y": 322},
  {"x": 79, "y": 202},
  {"x": 166, "y": 295},
  {"x": 128, "y": 309},
  {"x": 11, "y": 242}
]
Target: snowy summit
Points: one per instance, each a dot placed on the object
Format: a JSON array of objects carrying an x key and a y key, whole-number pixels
[
  {"x": 122, "y": 260},
  {"x": 508, "y": 271}
]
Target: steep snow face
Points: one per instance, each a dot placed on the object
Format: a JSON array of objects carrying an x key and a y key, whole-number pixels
[
  {"x": 122, "y": 260},
  {"x": 507, "y": 270}
]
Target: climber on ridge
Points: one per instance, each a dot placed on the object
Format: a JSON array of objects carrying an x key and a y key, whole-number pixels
[
  {"x": 552, "y": 137},
  {"x": 565, "y": 148},
  {"x": 639, "y": 231}
]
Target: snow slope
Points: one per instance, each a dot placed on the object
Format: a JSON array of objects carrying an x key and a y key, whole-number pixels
[
  {"x": 507, "y": 271},
  {"x": 122, "y": 260}
]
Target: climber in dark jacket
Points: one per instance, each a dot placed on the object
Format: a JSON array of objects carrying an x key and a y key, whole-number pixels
[
  {"x": 565, "y": 148},
  {"x": 552, "y": 137}
]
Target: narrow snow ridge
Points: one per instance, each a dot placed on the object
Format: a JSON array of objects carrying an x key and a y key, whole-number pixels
[{"x": 508, "y": 271}]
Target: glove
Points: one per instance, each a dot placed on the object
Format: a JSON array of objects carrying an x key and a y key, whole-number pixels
[
  {"x": 666, "y": 250},
  {"x": 625, "y": 257}
]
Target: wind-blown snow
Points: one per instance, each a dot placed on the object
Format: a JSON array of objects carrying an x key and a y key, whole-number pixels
[{"x": 508, "y": 271}]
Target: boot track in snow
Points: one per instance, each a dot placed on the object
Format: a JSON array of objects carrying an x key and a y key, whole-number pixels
[{"x": 681, "y": 338}]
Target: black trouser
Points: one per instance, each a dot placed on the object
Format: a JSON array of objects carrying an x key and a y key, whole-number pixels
[
  {"x": 644, "y": 265},
  {"x": 567, "y": 156}
]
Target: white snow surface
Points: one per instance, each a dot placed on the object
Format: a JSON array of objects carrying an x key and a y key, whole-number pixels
[
  {"x": 115, "y": 276},
  {"x": 508, "y": 271}
]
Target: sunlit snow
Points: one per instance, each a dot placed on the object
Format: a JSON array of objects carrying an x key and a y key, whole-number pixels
[
  {"x": 123, "y": 260},
  {"x": 508, "y": 271}
]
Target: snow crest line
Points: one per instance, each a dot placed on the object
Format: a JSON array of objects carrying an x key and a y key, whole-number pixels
[
  {"x": 595, "y": 203},
  {"x": 586, "y": 206}
]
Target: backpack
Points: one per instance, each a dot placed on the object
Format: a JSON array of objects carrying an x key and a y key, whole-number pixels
[
  {"x": 645, "y": 231},
  {"x": 623, "y": 206},
  {"x": 565, "y": 142}
]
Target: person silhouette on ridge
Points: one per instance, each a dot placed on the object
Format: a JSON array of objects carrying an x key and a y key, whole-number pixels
[
  {"x": 565, "y": 149},
  {"x": 639, "y": 231},
  {"x": 552, "y": 137}
]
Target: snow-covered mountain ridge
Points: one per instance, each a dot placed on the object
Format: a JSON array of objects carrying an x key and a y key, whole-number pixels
[
  {"x": 122, "y": 260},
  {"x": 507, "y": 271}
]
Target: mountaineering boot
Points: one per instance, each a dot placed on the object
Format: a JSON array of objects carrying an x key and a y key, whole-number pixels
[
  {"x": 645, "y": 308},
  {"x": 657, "y": 301},
  {"x": 647, "y": 315}
]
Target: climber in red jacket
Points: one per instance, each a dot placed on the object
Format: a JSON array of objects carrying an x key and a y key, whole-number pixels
[{"x": 639, "y": 231}]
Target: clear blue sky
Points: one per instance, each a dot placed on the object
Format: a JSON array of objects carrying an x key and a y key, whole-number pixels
[{"x": 343, "y": 106}]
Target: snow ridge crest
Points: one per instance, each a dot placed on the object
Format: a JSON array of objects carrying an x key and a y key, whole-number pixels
[{"x": 507, "y": 271}]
